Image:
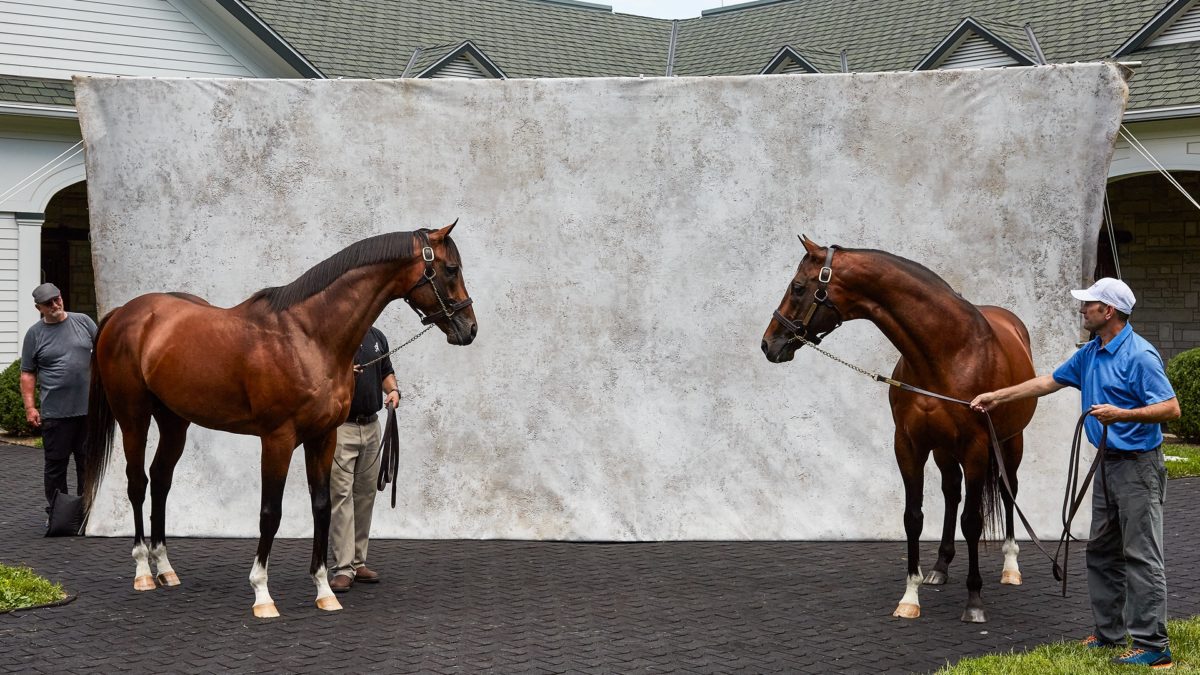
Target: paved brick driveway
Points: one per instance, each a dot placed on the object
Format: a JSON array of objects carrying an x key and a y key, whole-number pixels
[{"x": 525, "y": 607}]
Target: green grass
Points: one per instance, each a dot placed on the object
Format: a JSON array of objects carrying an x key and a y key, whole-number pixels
[
  {"x": 1188, "y": 466},
  {"x": 1063, "y": 658},
  {"x": 20, "y": 587}
]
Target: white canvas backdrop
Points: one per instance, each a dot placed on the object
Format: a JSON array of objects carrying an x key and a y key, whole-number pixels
[{"x": 625, "y": 241}]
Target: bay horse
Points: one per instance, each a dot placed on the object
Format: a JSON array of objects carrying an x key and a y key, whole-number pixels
[
  {"x": 947, "y": 345},
  {"x": 278, "y": 366}
]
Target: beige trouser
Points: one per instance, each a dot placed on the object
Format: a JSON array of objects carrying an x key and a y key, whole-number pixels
[{"x": 353, "y": 494}]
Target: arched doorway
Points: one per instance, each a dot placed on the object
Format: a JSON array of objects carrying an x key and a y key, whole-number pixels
[
  {"x": 66, "y": 249},
  {"x": 1158, "y": 241}
]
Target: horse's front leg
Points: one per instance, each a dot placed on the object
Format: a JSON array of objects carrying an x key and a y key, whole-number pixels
[
  {"x": 952, "y": 494},
  {"x": 318, "y": 461},
  {"x": 276, "y": 456},
  {"x": 912, "y": 471},
  {"x": 972, "y": 527}
]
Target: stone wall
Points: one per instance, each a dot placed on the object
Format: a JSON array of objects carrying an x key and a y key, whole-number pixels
[{"x": 1161, "y": 262}]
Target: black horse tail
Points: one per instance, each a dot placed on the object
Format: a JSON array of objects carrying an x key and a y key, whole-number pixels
[
  {"x": 100, "y": 425},
  {"x": 991, "y": 505}
]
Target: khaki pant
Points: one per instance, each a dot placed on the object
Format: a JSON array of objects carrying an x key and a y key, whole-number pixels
[{"x": 352, "y": 493}]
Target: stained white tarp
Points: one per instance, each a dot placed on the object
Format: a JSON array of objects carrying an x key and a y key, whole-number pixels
[{"x": 625, "y": 241}]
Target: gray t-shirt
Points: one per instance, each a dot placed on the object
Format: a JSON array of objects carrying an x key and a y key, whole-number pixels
[{"x": 60, "y": 354}]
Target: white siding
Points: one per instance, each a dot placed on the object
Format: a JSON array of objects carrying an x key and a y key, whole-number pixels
[
  {"x": 10, "y": 330},
  {"x": 57, "y": 38},
  {"x": 975, "y": 52},
  {"x": 1185, "y": 28},
  {"x": 460, "y": 67},
  {"x": 792, "y": 67}
]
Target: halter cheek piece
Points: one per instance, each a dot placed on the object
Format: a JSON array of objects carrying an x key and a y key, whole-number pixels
[
  {"x": 820, "y": 297},
  {"x": 430, "y": 277}
]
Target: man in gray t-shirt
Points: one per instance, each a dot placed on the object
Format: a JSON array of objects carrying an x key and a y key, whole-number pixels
[{"x": 56, "y": 359}]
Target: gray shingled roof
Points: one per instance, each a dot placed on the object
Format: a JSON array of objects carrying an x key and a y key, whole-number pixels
[
  {"x": 525, "y": 38},
  {"x": 44, "y": 92},
  {"x": 541, "y": 38}
]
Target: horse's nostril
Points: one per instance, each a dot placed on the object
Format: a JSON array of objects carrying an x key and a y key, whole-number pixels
[
  {"x": 764, "y": 346},
  {"x": 474, "y": 329}
]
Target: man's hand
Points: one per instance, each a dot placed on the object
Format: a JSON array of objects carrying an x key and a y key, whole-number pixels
[
  {"x": 1107, "y": 414},
  {"x": 33, "y": 416},
  {"x": 392, "y": 399},
  {"x": 984, "y": 402}
]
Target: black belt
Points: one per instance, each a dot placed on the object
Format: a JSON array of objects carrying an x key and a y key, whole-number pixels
[
  {"x": 1125, "y": 455},
  {"x": 363, "y": 419}
]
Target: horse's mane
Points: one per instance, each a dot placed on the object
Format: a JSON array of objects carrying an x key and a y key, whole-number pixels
[
  {"x": 912, "y": 267},
  {"x": 377, "y": 249}
]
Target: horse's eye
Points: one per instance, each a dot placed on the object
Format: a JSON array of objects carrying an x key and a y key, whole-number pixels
[
  {"x": 797, "y": 287},
  {"x": 451, "y": 270}
]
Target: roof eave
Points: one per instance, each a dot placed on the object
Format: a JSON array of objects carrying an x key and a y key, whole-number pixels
[
  {"x": 471, "y": 51},
  {"x": 1154, "y": 25},
  {"x": 933, "y": 58},
  {"x": 273, "y": 40},
  {"x": 38, "y": 110},
  {"x": 1162, "y": 113}
]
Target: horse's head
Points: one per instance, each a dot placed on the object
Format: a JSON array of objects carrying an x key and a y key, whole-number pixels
[
  {"x": 807, "y": 311},
  {"x": 440, "y": 296}
]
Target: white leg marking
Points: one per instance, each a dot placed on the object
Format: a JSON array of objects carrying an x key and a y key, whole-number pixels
[
  {"x": 166, "y": 573},
  {"x": 1011, "y": 573},
  {"x": 325, "y": 597},
  {"x": 264, "y": 606},
  {"x": 142, "y": 579},
  {"x": 910, "y": 605}
]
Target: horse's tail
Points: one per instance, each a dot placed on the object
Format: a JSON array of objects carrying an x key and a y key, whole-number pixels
[
  {"x": 992, "y": 503},
  {"x": 100, "y": 424}
]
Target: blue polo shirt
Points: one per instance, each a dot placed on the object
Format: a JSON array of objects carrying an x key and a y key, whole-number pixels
[{"x": 1127, "y": 373}]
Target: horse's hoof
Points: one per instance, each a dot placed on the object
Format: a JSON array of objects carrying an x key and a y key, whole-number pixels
[
  {"x": 907, "y": 610},
  {"x": 168, "y": 579},
  {"x": 1010, "y": 577},
  {"x": 935, "y": 578},
  {"x": 329, "y": 603},
  {"x": 266, "y": 611},
  {"x": 974, "y": 615},
  {"x": 144, "y": 583}
]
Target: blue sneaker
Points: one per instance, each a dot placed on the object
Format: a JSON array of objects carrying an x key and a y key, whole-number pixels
[
  {"x": 1144, "y": 657},
  {"x": 1094, "y": 641}
]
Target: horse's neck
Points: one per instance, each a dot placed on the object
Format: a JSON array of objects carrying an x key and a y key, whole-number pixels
[
  {"x": 923, "y": 318},
  {"x": 341, "y": 314}
]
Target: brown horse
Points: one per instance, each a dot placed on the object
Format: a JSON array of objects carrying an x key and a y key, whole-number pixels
[
  {"x": 947, "y": 345},
  {"x": 277, "y": 366}
]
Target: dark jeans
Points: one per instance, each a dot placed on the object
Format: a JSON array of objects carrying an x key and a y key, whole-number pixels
[
  {"x": 1127, "y": 580},
  {"x": 61, "y": 438}
]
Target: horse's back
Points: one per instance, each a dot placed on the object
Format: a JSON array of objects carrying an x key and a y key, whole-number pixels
[{"x": 1010, "y": 330}]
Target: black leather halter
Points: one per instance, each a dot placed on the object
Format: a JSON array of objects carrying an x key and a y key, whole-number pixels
[
  {"x": 430, "y": 277},
  {"x": 820, "y": 297}
]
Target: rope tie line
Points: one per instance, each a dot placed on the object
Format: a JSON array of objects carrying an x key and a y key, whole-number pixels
[
  {"x": 43, "y": 170},
  {"x": 1137, "y": 145}
]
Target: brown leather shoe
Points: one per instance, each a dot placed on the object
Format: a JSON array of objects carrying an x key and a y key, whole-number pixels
[
  {"x": 366, "y": 576},
  {"x": 340, "y": 583}
]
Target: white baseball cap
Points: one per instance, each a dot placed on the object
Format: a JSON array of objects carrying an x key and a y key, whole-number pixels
[{"x": 1109, "y": 291}]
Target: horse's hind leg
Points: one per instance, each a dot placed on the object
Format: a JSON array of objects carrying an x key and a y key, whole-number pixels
[
  {"x": 952, "y": 492},
  {"x": 133, "y": 437},
  {"x": 276, "y": 456},
  {"x": 912, "y": 465},
  {"x": 318, "y": 458},
  {"x": 172, "y": 433},
  {"x": 1011, "y": 574}
]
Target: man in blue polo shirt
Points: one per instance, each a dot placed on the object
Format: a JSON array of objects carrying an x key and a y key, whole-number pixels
[{"x": 1124, "y": 387}]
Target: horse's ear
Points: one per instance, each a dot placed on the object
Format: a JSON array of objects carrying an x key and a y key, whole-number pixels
[
  {"x": 438, "y": 235},
  {"x": 809, "y": 245}
]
